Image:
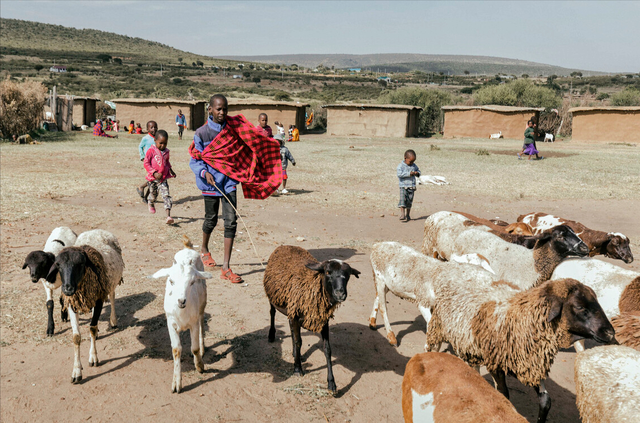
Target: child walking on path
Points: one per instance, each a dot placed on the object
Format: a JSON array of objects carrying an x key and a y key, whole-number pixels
[
  {"x": 181, "y": 121},
  {"x": 146, "y": 142},
  {"x": 529, "y": 147},
  {"x": 285, "y": 155},
  {"x": 158, "y": 167},
  {"x": 407, "y": 171}
]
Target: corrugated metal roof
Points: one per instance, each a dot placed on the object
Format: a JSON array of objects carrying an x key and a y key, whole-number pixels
[
  {"x": 495, "y": 108},
  {"x": 605, "y": 109},
  {"x": 372, "y": 106}
]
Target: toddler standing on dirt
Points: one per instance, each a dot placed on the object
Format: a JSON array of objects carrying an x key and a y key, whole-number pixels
[
  {"x": 407, "y": 171},
  {"x": 158, "y": 167},
  {"x": 146, "y": 142},
  {"x": 285, "y": 155}
]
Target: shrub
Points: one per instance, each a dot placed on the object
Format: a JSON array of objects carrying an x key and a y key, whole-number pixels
[
  {"x": 482, "y": 152},
  {"x": 626, "y": 97},
  {"x": 431, "y": 101},
  {"x": 602, "y": 96},
  {"x": 256, "y": 79},
  {"x": 522, "y": 92},
  {"x": 282, "y": 96},
  {"x": 21, "y": 106}
]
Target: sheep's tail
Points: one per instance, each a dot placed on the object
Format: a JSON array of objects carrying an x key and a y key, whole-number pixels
[
  {"x": 187, "y": 242},
  {"x": 243, "y": 224}
]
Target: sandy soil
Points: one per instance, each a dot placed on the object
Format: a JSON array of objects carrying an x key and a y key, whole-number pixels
[{"x": 246, "y": 378}]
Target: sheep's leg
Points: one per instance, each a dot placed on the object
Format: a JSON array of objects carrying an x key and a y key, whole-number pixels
[
  {"x": 93, "y": 329},
  {"x": 331, "y": 383},
  {"x": 374, "y": 314},
  {"x": 176, "y": 349},
  {"x": 426, "y": 313},
  {"x": 499, "y": 379},
  {"x": 113, "y": 320},
  {"x": 544, "y": 403},
  {"x": 272, "y": 329},
  {"x": 50, "y": 324},
  {"x": 195, "y": 348},
  {"x": 76, "y": 375},
  {"x": 579, "y": 345},
  {"x": 382, "y": 296},
  {"x": 64, "y": 314},
  {"x": 201, "y": 337},
  {"x": 294, "y": 324}
]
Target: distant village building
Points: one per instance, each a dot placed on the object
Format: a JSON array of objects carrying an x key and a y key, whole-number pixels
[
  {"x": 605, "y": 124},
  {"x": 58, "y": 69},
  {"x": 142, "y": 110},
  {"x": 237, "y": 76},
  {"x": 355, "y": 70},
  {"x": 482, "y": 121},
  {"x": 286, "y": 112},
  {"x": 372, "y": 120}
]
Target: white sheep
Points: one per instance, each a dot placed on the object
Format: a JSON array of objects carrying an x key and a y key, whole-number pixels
[
  {"x": 549, "y": 137},
  {"x": 40, "y": 262},
  {"x": 475, "y": 259},
  {"x": 431, "y": 179},
  {"x": 513, "y": 331},
  {"x": 447, "y": 233},
  {"x": 496, "y": 136},
  {"x": 89, "y": 273},
  {"x": 184, "y": 303},
  {"x": 608, "y": 384},
  {"x": 411, "y": 275}
]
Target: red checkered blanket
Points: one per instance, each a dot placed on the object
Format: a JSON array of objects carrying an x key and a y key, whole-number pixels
[{"x": 244, "y": 153}]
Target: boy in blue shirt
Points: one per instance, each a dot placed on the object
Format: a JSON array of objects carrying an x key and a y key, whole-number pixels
[
  {"x": 213, "y": 185},
  {"x": 147, "y": 141},
  {"x": 407, "y": 171},
  {"x": 181, "y": 121}
]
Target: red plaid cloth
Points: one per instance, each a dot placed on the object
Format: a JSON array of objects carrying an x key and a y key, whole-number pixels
[{"x": 242, "y": 152}]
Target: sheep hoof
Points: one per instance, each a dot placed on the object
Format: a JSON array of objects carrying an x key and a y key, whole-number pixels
[
  {"x": 298, "y": 372},
  {"x": 392, "y": 339},
  {"x": 76, "y": 379},
  {"x": 332, "y": 388},
  {"x": 372, "y": 324}
]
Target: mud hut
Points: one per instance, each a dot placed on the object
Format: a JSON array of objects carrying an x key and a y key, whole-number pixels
[
  {"x": 142, "y": 110},
  {"x": 372, "y": 120},
  {"x": 482, "y": 121},
  {"x": 287, "y": 113},
  {"x": 605, "y": 124},
  {"x": 84, "y": 110}
]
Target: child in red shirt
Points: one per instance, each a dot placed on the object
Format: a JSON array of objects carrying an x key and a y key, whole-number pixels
[{"x": 158, "y": 167}]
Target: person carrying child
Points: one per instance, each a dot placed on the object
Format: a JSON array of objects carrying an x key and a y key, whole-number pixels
[
  {"x": 529, "y": 147},
  {"x": 146, "y": 142},
  {"x": 181, "y": 121},
  {"x": 158, "y": 167},
  {"x": 407, "y": 171},
  {"x": 285, "y": 156},
  {"x": 263, "y": 124}
]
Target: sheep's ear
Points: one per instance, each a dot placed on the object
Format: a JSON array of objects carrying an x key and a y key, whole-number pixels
[
  {"x": 162, "y": 273},
  {"x": 542, "y": 239},
  {"x": 355, "y": 273},
  {"x": 204, "y": 275},
  {"x": 555, "y": 310},
  {"x": 316, "y": 267},
  {"x": 24, "y": 266},
  {"x": 90, "y": 264},
  {"x": 53, "y": 272}
]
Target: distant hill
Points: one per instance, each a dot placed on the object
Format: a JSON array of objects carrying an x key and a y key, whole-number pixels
[
  {"x": 35, "y": 38},
  {"x": 403, "y": 62}
]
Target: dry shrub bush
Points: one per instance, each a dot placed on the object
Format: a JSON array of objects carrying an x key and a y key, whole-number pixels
[
  {"x": 21, "y": 106},
  {"x": 627, "y": 97},
  {"x": 431, "y": 101},
  {"x": 521, "y": 92}
]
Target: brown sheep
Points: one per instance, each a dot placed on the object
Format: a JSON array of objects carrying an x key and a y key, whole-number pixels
[
  {"x": 517, "y": 228},
  {"x": 441, "y": 388},
  {"x": 307, "y": 292}
]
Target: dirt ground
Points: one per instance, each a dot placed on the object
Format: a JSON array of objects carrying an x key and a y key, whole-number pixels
[{"x": 342, "y": 200}]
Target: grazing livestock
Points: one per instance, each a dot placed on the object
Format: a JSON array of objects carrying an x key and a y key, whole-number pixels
[
  {"x": 184, "y": 303},
  {"x": 307, "y": 292},
  {"x": 516, "y": 332},
  {"x": 610, "y": 244}
]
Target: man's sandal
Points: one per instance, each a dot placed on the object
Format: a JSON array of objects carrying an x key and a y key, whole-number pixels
[
  {"x": 228, "y": 275},
  {"x": 207, "y": 260}
]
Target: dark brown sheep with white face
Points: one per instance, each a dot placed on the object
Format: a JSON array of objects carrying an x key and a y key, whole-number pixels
[{"x": 307, "y": 292}]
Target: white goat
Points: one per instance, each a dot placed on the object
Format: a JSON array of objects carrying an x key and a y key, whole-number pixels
[
  {"x": 184, "y": 303},
  {"x": 549, "y": 137},
  {"x": 496, "y": 136},
  {"x": 431, "y": 179}
]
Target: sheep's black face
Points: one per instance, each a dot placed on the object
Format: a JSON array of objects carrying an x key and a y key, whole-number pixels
[
  {"x": 618, "y": 248},
  {"x": 39, "y": 264},
  {"x": 71, "y": 264},
  {"x": 567, "y": 243},
  {"x": 336, "y": 277},
  {"x": 584, "y": 317}
]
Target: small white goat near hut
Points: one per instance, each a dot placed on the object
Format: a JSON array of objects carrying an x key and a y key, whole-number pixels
[
  {"x": 431, "y": 179},
  {"x": 184, "y": 302},
  {"x": 496, "y": 136}
]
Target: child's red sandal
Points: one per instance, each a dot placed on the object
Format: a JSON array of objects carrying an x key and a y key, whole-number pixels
[{"x": 230, "y": 276}]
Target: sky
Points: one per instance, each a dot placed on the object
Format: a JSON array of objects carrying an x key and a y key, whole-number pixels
[{"x": 590, "y": 35}]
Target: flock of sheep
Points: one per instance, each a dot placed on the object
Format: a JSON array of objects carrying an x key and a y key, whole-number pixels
[{"x": 504, "y": 296}]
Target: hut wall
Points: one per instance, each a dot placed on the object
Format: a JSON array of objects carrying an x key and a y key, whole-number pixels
[
  {"x": 606, "y": 126},
  {"x": 368, "y": 122},
  {"x": 482, "y": 123},
  {"x": 163, "y": 113},
  {"x": 287, "y": 115}
]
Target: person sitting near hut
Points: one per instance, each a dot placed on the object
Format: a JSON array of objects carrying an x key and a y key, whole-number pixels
[
  {"x": 295, "y": 134},
  {"x": 181, "y": 121},
  {"x": 132, "y": 128},
  {"x": 99, "y": 132},
  {"x": 138, "y": 129},
  {"x": 158, "y": 167},
  {"x": 146, "y": 142},
  {"x": 529, "y": 147},
  {"x": 116, "y": 126},
  {"x": 263, "y": 124}
]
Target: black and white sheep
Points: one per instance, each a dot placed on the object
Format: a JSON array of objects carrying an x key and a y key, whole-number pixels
[
  {"x": 40, "y": 261},
  {"x": 447, "y": 233},
  {"x": 307, "y": 292},
  {"x": 608, "y": 384},
  {"x": 89, "y": 273},
  {"x": 517, "y": 332}
]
